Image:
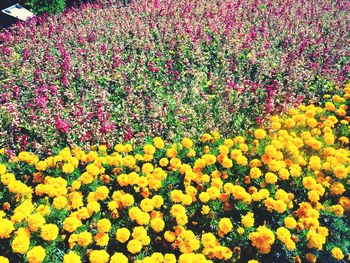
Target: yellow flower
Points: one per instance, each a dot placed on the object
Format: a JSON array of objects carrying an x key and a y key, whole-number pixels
[
  {"x": 149, "y": 149},
  {"x": 169, "y": 236},
  {"x": 99, "y": 256},
  {"x": 71, "y": 223},
  {"x": 225, "y": 225},
  {"x": 290, "y": 222},
  {"x": 158, "y": 142},
  {"x": 259, "y": 134},
  {"x": 309, "y": 182},
  {"x": 248, "y": 220},
  {"x": 35, "y": 222},
  {"x": 4, "y": 259},
  {"x": 104, "y": 225},
  {"x": 119, "y": 258},
  {"x": 41, "y": 166},
  {"x": 20, "y": 244},
  {"x": 262, "y": 239},
  {"x": 134, "y": 246},
  {"x": 157, "y": 224},
  {"x": 187, "y": 143},
  {"x": 49, "y": 232},
  {"x": 123, "y": 235},
  {"x": 271, "y": 178},
  {"x": 337, "y": 253},
  {"x": 337, "y": 188},
  {"x": 163, "y": 162},
  {"x": 36, "y": 254},
  {"x": 205, "y": 210},
  {"x": 227, "y": 163},
  {"x": 60, "y": 202},
  {"x": 6, "y": 228},
  {"x": 68, "y": 168},
  {"x": 255, "y": 173},
  {"x": 240, "y": 230},
  {"x": 71, "y": 257},
  {"x": 338, "y": 210},
  {"x": 84, "y": 238}
]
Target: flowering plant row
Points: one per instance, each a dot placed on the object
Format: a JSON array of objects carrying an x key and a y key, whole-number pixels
[
  {"x": 280, "y": 194},
  {"x": 159, "y": 67}
]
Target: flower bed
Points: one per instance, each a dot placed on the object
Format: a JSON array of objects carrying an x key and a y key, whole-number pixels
[
  {"x": 279, "y": 194},
  {"x": 158, "y": 68}
]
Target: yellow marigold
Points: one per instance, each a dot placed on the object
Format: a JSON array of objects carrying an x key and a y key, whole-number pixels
[
  {"x": 157, "y": 224},
  {"x": 259, "y": 134},
  {"x": 248, "y": 220},
  {"x": 6, "y": 228},
  {"x": 175, "y": 163},
  {"x": 41, "y": 166},
  {"x": 337, "y": 253},
  {"x": 283, "y": 234},
  {"x": 313, "y": 196},
  {"x": 68, "y": 168},
  {"x": 171, "y": 153},
  {"x": 71, "y": 257},
  {"x": 169, "y": 236},
  {"x": 338, "y": 210},
  {"x": 122, "y": 234},
  {"x": 206, "y": 137},
  {"x": 99, "y": 256},
  {"x": 129, "y": 161},
  {"x": 309, "y": 182},
  {"x": 262, "y": 239},
  {"x": 134, "y": 246},
  {"x": 84, "y": 238},
  {"x": 4, "y": 259},
  {"x": 104, "y": 225},
  {"x": 242, "y": 160},
  {"x": 36, "y": 254},
  {"x": 340, "y": 171},
  {"x": 35, "y": 221},
  {"x": 205, "y": 210},
  {"x": 71, "y": 223},
  {"x": 149, "y": 149},
  {"x": 187, "y": 143},
  {"x": 225, "y": 225},
  {"x": 119, "y": 258},
  {"x": 290, "y": 222},
  {"x": 3, "y": 169},
  {"x": 60, "y": 202},
  {"x": 227, "y": 163},
  {"x": 255, "y": 173},
  {"x": 271, "y": 178},
  {"x": 20, "y": 244},
  {"x": 147, "y": 168},
  {"x": 147, "y": 205},
  {"x": 176, "y": 196},
  {"x": 181, "y": 219},
  {"x": 49, "y": 232},
  {"x": 158, "y": 142},
  {"x": 315, "y": 240}
]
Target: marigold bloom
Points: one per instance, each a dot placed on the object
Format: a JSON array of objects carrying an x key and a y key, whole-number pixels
[{"x": 36, "y": 254}]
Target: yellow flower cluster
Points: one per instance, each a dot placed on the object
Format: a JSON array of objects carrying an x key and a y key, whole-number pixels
[{"x": 209, "y": 200}]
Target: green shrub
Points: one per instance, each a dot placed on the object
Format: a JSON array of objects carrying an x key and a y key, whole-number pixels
[{"x": 46, "y": 6}]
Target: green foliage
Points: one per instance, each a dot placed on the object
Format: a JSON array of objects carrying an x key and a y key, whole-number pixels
[{"x": 46, "y": 6}]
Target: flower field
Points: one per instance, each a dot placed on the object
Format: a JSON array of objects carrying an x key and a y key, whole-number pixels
[
  {"x": 162, "y": 68},
  {"x": 278, "y": 194},
  {"x": 177, "y": 131}
]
